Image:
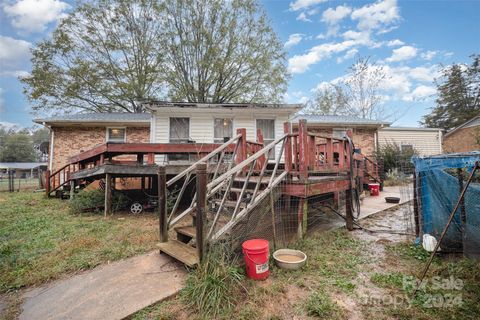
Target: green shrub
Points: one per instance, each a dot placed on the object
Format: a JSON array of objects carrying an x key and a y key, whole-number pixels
[
  {"x": 215, "y": 286},
  {"x": 94, "y": 201},
  {"x": 395, "y": 158}
]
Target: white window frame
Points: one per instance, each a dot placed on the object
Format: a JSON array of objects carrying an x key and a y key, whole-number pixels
[
  {"x": 116, "y": 141},
  {"x": 189, "y": 127},
  {"x": 223, "y": 118},
  {"x": 272, "y": 154}
]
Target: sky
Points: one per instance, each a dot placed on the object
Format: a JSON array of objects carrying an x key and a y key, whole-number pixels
[{"x": 409, "y": 40}]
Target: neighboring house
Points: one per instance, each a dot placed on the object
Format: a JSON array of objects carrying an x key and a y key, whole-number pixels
[
  {"x": 25, "y": 170},
  {"x": 463, "y": 138},
  {"x": 364, "y": 130},
  {"x": 73, "y": 134},
  {"x": 213, "y": 123},
  {"x": 427, "y": 141}
]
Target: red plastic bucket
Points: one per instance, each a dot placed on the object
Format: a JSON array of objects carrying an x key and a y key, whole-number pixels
[
  {"x": 374, "y": 189},
  {"x": 255, "y": 253}
]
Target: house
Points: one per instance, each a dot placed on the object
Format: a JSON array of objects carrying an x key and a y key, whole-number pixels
[
  {"x": 213, "y": 123},
  {"x": 426, "y": 141},
  {"x": 463, "y": 138},
  {"x": 24, "y": 170},
  {"x": 76, "y": 133},
  {"x": 365, "y": 131}
]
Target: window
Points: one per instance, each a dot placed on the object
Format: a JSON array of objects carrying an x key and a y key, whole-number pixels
[
  {"x": 179, "y": 130},
  {"x": 116, "y": 135},
  {"x": 223, "y": 130},
  {"x": 268, "y": 131},
  {"x": 179, "y": 133},
  {"x": 339, "y": 133}
]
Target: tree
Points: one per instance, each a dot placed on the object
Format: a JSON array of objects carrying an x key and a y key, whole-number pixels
[
  {"x": 223, "y": 51},
  {"x": 108, "y": 55},
  {"x": 17, "y": 147},
  {"x": 329, "y": 100},
  {"x": 356, "y": 94},
  {"x": 458, "y": 96}
]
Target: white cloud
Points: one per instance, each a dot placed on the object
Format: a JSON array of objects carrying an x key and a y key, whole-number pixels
[
  {"x": 403, "y": 53},
  {"x": 395, "y": 43},
  {"x": 13, "y": 52},
  {"x": 332, "y": 17},
  {"x": 293, "y": 40},
  {"x": 10, "y": 125},
  {"x": 303, "y": 4},
  {"x": 303, "y": 17},
  {"x": 349, "y": 55},
  {"x": 14, "y": 73},
  {"x": 429, "y": 55},
  {"x": 376, "y": 15},
  {"x": 421, "y": 92},
  {"x": 301, "y": 63},
  {"x": 34, "y": 15}
]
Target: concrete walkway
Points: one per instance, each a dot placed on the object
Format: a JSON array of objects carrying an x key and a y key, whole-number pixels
[
  {"x": 111, "y": 291},
  {"x": 371, "y": 205}
]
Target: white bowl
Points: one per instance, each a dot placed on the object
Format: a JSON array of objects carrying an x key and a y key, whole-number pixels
[{"x": 289, "y": 265}]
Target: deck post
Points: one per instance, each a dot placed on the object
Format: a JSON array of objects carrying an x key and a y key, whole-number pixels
[
  {"x": 262, "y": 159},
  {"x": 242, "y": 147},
  {"x": 302, "y": 217},
  {"x": 288, "y": 147},
  {"x": 303, "y": 149},
  {"x": 162, "y": 203},
  {"x": 348, "y": 209},
  {"x": 201, "y": 207},
  {"x": 47, "y": 182},
  {"x": 108, "y": 195},
  {"x": 72, "y": 189}
]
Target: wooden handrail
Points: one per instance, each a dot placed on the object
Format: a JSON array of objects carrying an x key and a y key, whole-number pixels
[
  {"x": 246, "y": 162},
  {"x": 204, "y": 159}
]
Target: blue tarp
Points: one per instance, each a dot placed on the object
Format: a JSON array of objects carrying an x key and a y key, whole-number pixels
[{"x": 438, "y": 192}]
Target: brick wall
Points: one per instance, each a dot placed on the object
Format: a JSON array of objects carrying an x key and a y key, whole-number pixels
[
  {"x": 69, "y": 141},
  {"x": 463, "y": 140}
]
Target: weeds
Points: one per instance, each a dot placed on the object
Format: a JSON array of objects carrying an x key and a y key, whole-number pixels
[
  {"x": 319, "y": 304},
  {"x": 215, "y": 286}
]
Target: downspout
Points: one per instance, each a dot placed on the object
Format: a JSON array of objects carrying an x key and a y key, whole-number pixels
[{"x": 50, "y": 156}]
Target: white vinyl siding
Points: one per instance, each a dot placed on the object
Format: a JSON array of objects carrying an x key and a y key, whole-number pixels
[
  {"x": 426, "y": 142},
  {"x": 202, "y": 122}
]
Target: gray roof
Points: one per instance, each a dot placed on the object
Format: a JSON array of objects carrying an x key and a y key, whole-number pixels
[
  {"x": 21, "y": 165},
  {"x": 98, "y": 117},
  {"x": 410, "y": 129},
  {"x": 339, "y": 120},
  {"x": 165, "y": 104}
]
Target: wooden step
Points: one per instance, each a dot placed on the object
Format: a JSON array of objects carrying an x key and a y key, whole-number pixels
[
  {"x": 238, "y": 190},
  {"x": 189, "y": 231},
  {"x": 254, "y": 179},
  {"x": 180, "y": 251},
  {"x": 230, "y": 203}
]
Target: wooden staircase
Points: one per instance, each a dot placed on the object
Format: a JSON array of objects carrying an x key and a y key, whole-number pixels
[{"x": 231, "y": 196}]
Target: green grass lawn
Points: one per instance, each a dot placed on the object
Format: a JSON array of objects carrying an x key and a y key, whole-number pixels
[{"x": 40, "y": 240}]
